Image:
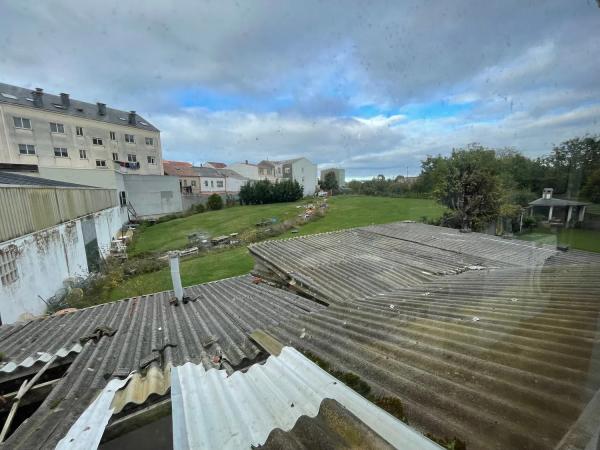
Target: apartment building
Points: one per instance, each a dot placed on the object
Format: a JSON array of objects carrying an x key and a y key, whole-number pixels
[{"x": 55, "y": 131}]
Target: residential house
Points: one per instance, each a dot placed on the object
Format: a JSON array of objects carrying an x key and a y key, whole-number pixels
[
  {"x": 233, "y": 181},
  {"x": 299, "y": 169},
  {"x": 246, "y": 169},
  {"x": 211, "y": 181},
  {"x": 189, "y": 181}
]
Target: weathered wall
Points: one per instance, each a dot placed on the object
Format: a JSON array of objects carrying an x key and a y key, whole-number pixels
[
  {"x": 43, "y": 260},
  {"x": 191, "y": 200},
  {"x": 245, "y": 170},
  {"x": 153, "y": 195}
]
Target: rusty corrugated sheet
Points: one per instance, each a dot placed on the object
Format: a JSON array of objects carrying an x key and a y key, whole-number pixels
[{"x": 25, "y": 210}]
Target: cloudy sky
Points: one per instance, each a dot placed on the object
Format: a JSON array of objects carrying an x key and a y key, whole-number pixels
[{"x": 372, "y": 86}]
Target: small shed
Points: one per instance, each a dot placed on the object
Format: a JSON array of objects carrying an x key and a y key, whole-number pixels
[{"x": 558, "y": 210}]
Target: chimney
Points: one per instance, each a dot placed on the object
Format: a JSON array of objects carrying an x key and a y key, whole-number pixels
[
  {"x": 175, "y": 277},
  {"x": 132, "y": 120},
  {"x": 37, "y": 97},
  {"x": 101, "y": 109},
  {"x": 547, "y": 195},
  {"x": 65, "y": 100},
  {"x": 246, "y": 161}
]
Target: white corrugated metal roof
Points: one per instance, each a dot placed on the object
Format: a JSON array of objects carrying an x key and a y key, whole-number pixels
[{"x": 213, "y": 411}]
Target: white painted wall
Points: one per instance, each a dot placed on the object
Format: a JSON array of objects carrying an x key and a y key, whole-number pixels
[
  {"x": 108, "y": 223},
  {"x": 45, "y": 259},
  {"x": 153, "y": 195},
  {"x": 305, "y": 173},
  {"x": 245, "y": 170}
]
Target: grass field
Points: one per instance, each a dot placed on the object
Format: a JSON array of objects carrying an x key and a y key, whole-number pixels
[
  {"x": 344, "y": 212},
  {"x": 575, "y": 238}
]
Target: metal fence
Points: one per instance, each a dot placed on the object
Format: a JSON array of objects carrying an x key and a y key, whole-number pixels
[{"x": 24, "y": 210}]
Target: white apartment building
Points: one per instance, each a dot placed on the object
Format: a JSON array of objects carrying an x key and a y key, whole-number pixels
[
  {"x": 55, "y": 131},
  {"x": 299, "y": 169}
]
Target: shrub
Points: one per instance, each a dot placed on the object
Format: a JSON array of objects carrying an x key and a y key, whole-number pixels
[
  {"x": 214, "y": 203},
  {"x": 199, "y": 208},
  {"x": 263, "y": 191}
]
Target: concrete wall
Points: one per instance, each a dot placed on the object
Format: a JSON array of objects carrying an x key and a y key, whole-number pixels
[
  {"x": 246, "y": 170},
  {"x": 191, "y": 200},
  {"x": 153, "y": 195},
  {"x": 44, "y": 141},
  {"x": 45, "y": 259},
  {"x": 305, "y": 173},
  {"x": 233, "y": 185}
]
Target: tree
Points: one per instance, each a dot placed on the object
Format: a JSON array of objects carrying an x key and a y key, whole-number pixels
[
  {"x": 591, "y": 189},
  {"x": 470, "y": 187},
  {"x": 330, "y": 182},
  {"x": 263, "y": 191},
  {"x": 214, "y": 202}
]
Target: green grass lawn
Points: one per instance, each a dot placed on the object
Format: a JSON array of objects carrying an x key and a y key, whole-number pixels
[
  {"x": 173, "y": 234},
  {"x": 344, "y": 212},
  {"x": 575, "y": 238},
  {"x": 208, "y": 267}
]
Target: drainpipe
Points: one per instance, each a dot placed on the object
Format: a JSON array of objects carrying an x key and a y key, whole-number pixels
[{"x": 175, "y": 277}]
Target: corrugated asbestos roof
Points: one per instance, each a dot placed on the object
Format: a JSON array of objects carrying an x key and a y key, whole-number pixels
[
  {"x": 493, "y": 341},
  {"x": 214, "y": 411},
  {"x": 505, "y": 358},
  {"x": 345, "y": 265},
  {"x": 151, "y": 336}
]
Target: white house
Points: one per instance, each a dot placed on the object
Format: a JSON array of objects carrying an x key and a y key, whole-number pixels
[{"x": 299, "y": 169}]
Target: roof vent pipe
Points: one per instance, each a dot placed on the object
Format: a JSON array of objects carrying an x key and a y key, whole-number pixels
[
  {"x": 37, "y": 97},
  {"x": 175, "y": 277},
  {"x": 132, "y": 119},
  {"x": 65, "y": 100},
  {"x": 101, "y": 109}
]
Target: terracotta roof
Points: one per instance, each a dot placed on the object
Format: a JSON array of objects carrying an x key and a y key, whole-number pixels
[{"x": 178, "y": 168}]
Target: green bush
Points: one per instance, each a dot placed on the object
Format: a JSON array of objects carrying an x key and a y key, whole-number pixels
[
  {"x": 199, "y": 208},
  {"x": 214, "y": 202},
  {"x": 263, "y": 192}
]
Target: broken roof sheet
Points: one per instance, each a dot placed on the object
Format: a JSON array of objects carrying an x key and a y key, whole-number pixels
[
  {"x": 345, "y": 265},
  {"x": 151, "y": 335},
  {"x": 214, "y": 411},
  {"x": 504, "y": 358}
]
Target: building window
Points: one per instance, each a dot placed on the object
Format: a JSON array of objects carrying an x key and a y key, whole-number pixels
[
  {"x": 26, "y": 149},
  {"x": 131, "y": 157},
  {"x": 151, "y": 160},
  {"x": 212, "y": 183},
  {"x": 79, "y": 131},
  {"x": 57, "y": 128},
  {"x": 130, "y": 138},
  {"x": 185, "y": 182},
  {"x": 287, "y": 170},
  {"x": 23, "y": 123},
  {"x": 194, "y": 183},
  {"x": 205, "y": 183},
  {"x": 82, "y": 154},
  {"x": 123, "y": 198},
  {"x": 219, "y": 184},
  {"x": 149, "y": 141},
  {"x": 100, "y": 163},
  {"x": 8, "y": 268},
  {"x": 115, "y": 156},
  {"x": 61, "y": 152},
  {"x": 113, "y": 136},
  {"x": 97, "y": 141}
]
